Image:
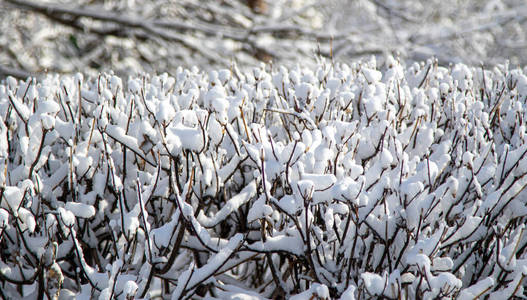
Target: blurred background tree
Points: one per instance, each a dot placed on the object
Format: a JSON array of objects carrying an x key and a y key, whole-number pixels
[{"x": 130, "y": 36}]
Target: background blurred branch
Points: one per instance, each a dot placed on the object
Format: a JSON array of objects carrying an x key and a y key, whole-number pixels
[
  {"x": 17, "y": 73},
  {"x": 156, "y": 36}
]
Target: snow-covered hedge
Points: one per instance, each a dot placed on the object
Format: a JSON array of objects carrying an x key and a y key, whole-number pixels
[{"x": 339, "y": 182}]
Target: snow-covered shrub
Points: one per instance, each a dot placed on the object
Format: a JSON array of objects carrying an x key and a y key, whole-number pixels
[{"x": 337, "y": 182}]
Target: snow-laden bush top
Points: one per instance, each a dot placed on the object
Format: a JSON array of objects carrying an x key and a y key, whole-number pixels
[{"x": 338, "y": 182}]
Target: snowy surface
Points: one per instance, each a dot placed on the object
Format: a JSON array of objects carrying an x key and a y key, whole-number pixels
[{"x": 339, "y": 181}]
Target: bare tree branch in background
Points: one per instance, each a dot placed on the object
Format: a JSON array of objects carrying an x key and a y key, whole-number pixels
[
  {"x": 156, "y": 36},
  {"x": 211, "y": 34},
  {"x": 7, "y": 71}
]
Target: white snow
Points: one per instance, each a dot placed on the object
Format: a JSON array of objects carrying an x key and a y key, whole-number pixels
[
  {"x": 4, "y": 218},
  {"x": 213, "y": 264},
  {"x": 66, "y": 216},
  {"x": 80, "y": 210},
  {"x": 189, "y": 137},
  {"x": 259, "y": 210},
  {"x": 371, "y": 75},
  {"x": 317, "y": 291},
  {"x": 13, "y": 196},
  {"x": 230, "y": 206},
  {"x": 130, "y": 288},
  {"x": 476, "y": 290},
  {"x": 374, "y": 283}
]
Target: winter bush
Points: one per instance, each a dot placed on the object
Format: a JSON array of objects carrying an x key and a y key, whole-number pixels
[{"x": 336, "y": 182}]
